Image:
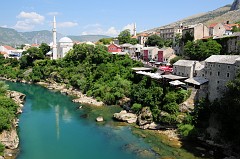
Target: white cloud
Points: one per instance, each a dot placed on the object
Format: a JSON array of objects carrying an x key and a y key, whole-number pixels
[
  {"x": 130, "y": 27},
  {"x": 4, "y": 26},
  {"x": 23, "y": 25},
  {"x": 99, "y": 31},
  {"x": 67, "y": 24},
  {"x": 112, "y": 31},
  {"x": 53, "y": 13},
  {"x": 92, "y": 26},
  {"x": 31, "y": 17},
  {"x": 28, "y": 20}
]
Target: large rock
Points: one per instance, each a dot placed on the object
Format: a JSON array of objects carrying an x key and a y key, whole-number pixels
[
  {"x": 18, "y": 98},
  {"x": 145, "y": 117},
  {"x": 125, "y": 116},
  {"x": 235, "y": 5},
  {"x": 99, "y": 119},
  {"x": 10, "y": 139}
]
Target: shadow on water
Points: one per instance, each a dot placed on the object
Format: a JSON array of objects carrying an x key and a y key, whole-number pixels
[{"x": 201, "y": 149}]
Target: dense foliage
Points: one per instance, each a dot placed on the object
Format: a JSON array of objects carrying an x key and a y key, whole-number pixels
[
  {"x": 105, "y": 41},
  {"x": 125, "y": 37},
  {"x": 8, "y": 109},
  {"x": 200, "y": 50}
]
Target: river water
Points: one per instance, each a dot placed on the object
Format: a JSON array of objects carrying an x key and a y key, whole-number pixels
[{"x": 51, "y": 127}]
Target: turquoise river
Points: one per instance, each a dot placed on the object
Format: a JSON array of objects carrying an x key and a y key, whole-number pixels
[{"x": 51, "y": 127}]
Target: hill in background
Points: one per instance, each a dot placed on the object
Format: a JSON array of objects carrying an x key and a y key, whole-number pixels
[
  {"x": 92, "y": 38},
  {"x": 14, "y": 38},
  {"x": 226, "y": 13}
]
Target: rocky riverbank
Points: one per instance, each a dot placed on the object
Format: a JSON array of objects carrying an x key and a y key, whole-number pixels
[
  {"x": 145, "y": 121},
  {"x": 10, "y": 138},
  {"x": 79, "y": 97}
]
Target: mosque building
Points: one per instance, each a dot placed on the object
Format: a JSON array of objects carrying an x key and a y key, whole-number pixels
[{"x": 60, "y": 49}]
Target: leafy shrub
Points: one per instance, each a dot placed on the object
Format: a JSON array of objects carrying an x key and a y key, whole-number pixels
[
  {"x": 2, "y": 147},
  {"x": 171, "y": 108},
  {"x": 185, "y": 129},
  {"x": 169, "y": 119},
  {"x": 136, "y": 107},
  {"x": 5, "y": 119},
  {"x": 8, "y": 104}
]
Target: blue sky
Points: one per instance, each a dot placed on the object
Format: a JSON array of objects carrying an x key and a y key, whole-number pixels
[{"x": 106, "y": 17}]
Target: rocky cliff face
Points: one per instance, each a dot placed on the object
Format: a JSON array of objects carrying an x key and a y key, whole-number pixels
[{"x": 235, "y": 5}]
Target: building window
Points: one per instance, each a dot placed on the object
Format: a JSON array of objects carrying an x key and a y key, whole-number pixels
[
  {"x": 218, "y": 65},
  {"x": 218, "y": 73},
  {"x": 218, "y": 82},
  {"x": 228, "y": 67},
  {"x": 210, "y": 73},
  {"x": 228, "y": 75},
  {"x": 203, "y": 75}
]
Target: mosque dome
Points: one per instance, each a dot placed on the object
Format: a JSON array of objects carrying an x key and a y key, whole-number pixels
[
  {"x": 90, "y": 43},
  {"x": 65, "y": 40}
]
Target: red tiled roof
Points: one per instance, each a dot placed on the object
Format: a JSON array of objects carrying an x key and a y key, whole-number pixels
[
  {"x": 35, "y": 45},
  {"x": 227, "y": 27},
  {"x": 134, "y": 37},
  {"x": 143, "y": 34},
  {"x": 212, "y": 25},
  {"x": 2, "y": 53},
  {"x": 9, "y": 47}
]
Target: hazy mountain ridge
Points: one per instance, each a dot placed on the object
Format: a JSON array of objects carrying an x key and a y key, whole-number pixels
[
  {"x": 92, "y": 38},
  {"x": 14, "y": 38}
]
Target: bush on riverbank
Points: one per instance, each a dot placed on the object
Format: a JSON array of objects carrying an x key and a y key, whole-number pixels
[
  {"x": 2, "y": 147},
  {"x": 8, "y": 109}
]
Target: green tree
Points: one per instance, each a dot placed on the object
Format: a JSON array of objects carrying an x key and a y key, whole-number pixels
[
  {"x": 44, "y": 48},
  {"x": 105, "y": 41},
  {"x": 199, "y": 50},
  {"x": 5, "y": 119},
  {"x": 188, "y": 36},
  {"x": 2, "y": 148},
  {"x": 124, "y": 36},
  {"x": 3, "y": 88},
  {"x": 155, "y": 40},
  {"x": 133, "y": 41}
]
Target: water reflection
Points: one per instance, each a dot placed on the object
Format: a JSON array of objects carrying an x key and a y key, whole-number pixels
[{"x": 57, "y": 121}]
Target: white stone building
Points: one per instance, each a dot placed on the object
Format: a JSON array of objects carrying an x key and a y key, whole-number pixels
[
  {"x": 64, "y": 45},
  {"x": 219, "y": 70}
]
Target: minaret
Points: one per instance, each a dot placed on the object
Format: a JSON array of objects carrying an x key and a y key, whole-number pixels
[
  {"x": 135, "y": 30},
  {"x": 54, "y": 50}
]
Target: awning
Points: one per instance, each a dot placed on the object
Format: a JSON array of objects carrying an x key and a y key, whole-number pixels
[
  {"x": 196, "y": 80},
  {"x": 152, "y": 75},
  {"x": 176, "y": 83}
]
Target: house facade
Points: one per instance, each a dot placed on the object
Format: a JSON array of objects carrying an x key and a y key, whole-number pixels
[
  {"x": 142, "y": 38},
  {"x": 10, "y": 52},
  {"x": 219, "y": 29},
  {"x": 165, "y": 55},
  {"x": 149, "y": 53},
  {"x": 220, "y": 69},
  {"x": 126, "y": 47},
  {"x": 186, "y": 68},
  {"x": 198, "y": 31},
  {"x": 114, "y": 48},
  {"x": 169, "y": 33},
  {"x": 135, "y": 50}
]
